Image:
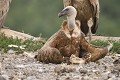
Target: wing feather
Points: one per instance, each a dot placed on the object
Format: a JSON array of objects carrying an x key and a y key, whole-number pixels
[
  {"x": 4, "y": 7},
  {"x": 67, "y": 3},
  {"x": 95, "y": 4},
  {"x": 96, "y": 7}
]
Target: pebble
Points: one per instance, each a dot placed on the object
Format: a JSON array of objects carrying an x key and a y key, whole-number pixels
[
  {"x": 11, "y": 51},
  {"x": 29, "y": 69},
  {"x": 83, "y": 71},
  {"x": 2, "y": 78},
  {"x": 64, "y": 68}
]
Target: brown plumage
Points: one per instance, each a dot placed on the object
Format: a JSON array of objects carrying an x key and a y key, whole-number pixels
[
  {"x": 86, "y": 9},
  {"x": 4, "y": 7},
  {"x": 69, "y": 40},
  {"x": 60, "y": 46}
]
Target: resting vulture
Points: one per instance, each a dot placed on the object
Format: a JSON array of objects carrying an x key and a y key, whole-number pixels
[
  {"x": 69, "y": 40},
  {"x": 87, "y": 14},
  {"x": 4, "y": 8}
]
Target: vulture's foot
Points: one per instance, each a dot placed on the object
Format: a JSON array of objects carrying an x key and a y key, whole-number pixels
[
  {"x": 90, "y": 36},
  {"x": 87, "y": 57},
  {"x": 76, "y": 60}
]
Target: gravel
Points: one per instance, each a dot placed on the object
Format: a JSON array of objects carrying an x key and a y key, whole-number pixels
[{"x": 25, "y": 67}]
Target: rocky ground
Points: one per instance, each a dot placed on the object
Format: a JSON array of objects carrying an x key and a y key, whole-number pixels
[
  {"x": 25, "y": 67},
  {"x": 15, "y": 66}
]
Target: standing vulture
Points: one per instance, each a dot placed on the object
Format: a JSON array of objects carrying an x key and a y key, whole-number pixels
[
  {"x": 69, "y": 41},
  {"x": 4, "y": 8},
  {"x": 87, "y": 14}
]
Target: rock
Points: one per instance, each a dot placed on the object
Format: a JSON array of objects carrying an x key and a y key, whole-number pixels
[
  {"x": 113, "y": 78},
  {"x": 2, "y": 78},
  {"x": 29, "y": 54},
  {"x": 118, "y": 55},
  {"x": 64, "y": 68},
  {"x": 117, "y": 64},
  {"x": 117, "y": 61},
  {"x": 0, "y": 66},
  {"x": 11, "y": 51},
  {"x": 83, "y": 71},
  {"x": 68, "y": 78},
  {"x": 85, "y": 78},
  {"x": 19, "y": 35},
  {"x": 32, "y": 78},
  {"x": 23, "y": 67}
]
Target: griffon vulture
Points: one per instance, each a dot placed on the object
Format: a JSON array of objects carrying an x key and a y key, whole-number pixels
[
  {"x": 87, "y": 14},
  {"x": 69, "y": 40},
  {"x": 4, "y": 7}
]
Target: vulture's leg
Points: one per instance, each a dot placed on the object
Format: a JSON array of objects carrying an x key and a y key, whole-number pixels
[
  {"x": 95, "y": 52},
  {"x": 90, "y": 34},
  {"x": 49, "y": 55},
  {"x": 90, "y": 24}
]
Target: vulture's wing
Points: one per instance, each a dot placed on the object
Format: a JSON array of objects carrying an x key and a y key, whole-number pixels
[
  {"x": 96, "y": 10},
  {"x": 67, "y": 3},
  {"x": 96, "y": 7},
  {"x": 94, "y": 3},
  {"x": 4, "y": 7}
]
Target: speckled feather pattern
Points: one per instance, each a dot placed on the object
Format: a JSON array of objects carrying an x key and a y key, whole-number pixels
[{"x": 59, "y": 46}]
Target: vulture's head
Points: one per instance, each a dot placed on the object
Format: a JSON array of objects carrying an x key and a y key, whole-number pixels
[{"x": 68, "y": 11}]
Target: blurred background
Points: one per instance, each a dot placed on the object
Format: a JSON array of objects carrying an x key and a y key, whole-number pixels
[{"x": 39, "y": 17}]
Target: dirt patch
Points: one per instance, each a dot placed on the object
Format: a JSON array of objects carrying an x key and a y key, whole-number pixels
[{"x": 25, "y": 67}]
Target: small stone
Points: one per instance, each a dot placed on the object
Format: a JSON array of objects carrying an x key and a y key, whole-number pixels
[
  {"x": 117, "y": 64},
  {"x": 64, "y": 68},
  {"x": 11, "y": 51},
  {"x": 117, "y": 61},
  {"x": 57, "y": 79},
  {"x": 31, "y": 78},
  {"x": 83, "y": 71},
  {"x": 0, "y": 66},
  {"x": 2, "y": 78},
  {"x": 10, "y": 67},
  {"x": 85, "y": 78},
  {"x": 68, "y": 78},
  {"x": 117, "y": 55},
  {"x": 30, "y": 54}
]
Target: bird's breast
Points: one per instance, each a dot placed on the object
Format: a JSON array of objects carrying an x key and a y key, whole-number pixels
[{"x": 69, "y": 46}]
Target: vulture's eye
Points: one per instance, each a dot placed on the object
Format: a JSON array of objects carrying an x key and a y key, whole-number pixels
[{"x": 67, "y": 9}]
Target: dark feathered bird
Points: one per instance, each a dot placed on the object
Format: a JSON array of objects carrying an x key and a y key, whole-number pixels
[
  {"x": 87, "y": 13},
  {"x": 69, "y": 40},
  {"x": 4, "y": 8}
]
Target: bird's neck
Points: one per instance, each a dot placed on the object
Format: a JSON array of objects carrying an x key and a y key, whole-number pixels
[{"x": 71, "y": 23}]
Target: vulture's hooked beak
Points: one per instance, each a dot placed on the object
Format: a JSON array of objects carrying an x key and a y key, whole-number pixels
[{"x": 62, "y": 13}]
